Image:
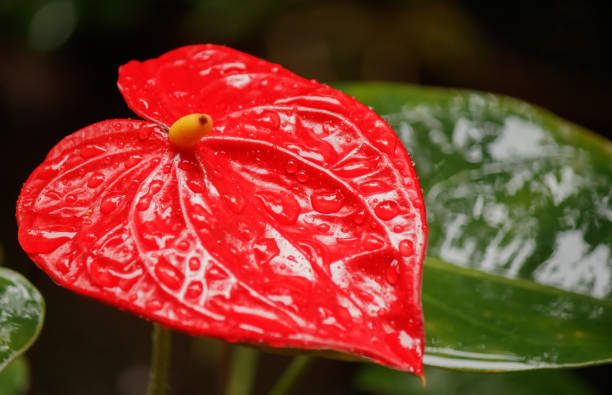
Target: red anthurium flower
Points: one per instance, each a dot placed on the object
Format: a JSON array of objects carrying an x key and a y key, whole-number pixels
[{"x": 297, "y": 222}]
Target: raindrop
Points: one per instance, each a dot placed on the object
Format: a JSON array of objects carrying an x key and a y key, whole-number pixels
[
  {"x": 194, "y": 263},
  {"x": 386, "y": 142},
  {"x": 194, "y": 289},
  {"x": 323, "y": 228},
  {"x": 153, "y": 305},
  {"x": 95, "y": 180},
  {"x": 187, "y": 165},
  {"x": 375, "y": 186},
  {"x": 302, "y": 176},
  {"x": 406, "y": 247},
  {"x": 393, "y": 272},
  {"x": 155, "y": 186},
  {"x": 327, "y": 202},
  {"x": 359, "y": 218},
  {"x": 270, "y": 120},
  {"x": 291, "y": 167},
  {"x": 282, "y": 207},
  {"x": 168, "y": 275},
  {"x": 109, "y": 204},
  {"x": 183, "y": 245},
  {"x": 71, "y": 198},
  {"x": 143, "y": 203},
  {"x": 132, "y": 161},
  {"x": 398, "y": 228},
  {"x": 144, "y": 133},
  {"x": 195, "y": 185},
  {"x": 234, "y": 202},
  {"x": 244, "y": 231},
  {"x": 90, "y": 238},
  {"x": 386, "y": 210},
  {"x": 373, "y": 242}
]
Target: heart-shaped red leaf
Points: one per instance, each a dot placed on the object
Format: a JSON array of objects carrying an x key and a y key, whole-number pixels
[{"x": 298, "y": 222}]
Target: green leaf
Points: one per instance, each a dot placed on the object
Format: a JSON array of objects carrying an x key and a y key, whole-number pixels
[
  {"x": 479, "y": 321},
  {"x": 382, "y": 381},
  {"x": 22, "y": 311},
  {"x": 15, "y": 378},
  {"x": 519, "y": 207}
]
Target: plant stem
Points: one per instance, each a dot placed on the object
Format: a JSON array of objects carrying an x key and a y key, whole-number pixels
[
  {"x": 160, "y": 361},
  {"x": 292, "y": 374},
  {"x": 242, "y": 371}
]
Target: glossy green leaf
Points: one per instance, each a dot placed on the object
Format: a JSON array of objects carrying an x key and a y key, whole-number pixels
[
  {"x": 479, "y": 321},
  {"x": 22, "y": 311},
  {"x": 15, "y": 378},
  {"x": 377, "y": 380},
  {"x": 519, "y": 205}
]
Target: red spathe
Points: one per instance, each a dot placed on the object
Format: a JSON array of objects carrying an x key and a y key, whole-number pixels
[{"x": 298, "y": 222}]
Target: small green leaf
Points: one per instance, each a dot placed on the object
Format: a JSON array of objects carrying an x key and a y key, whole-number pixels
[
  {"x": 15, "y": 378},
  {"x": 22, "y": 310},
  {"x": 519, "y": 205},
  {"x": 377, "y": 380}
]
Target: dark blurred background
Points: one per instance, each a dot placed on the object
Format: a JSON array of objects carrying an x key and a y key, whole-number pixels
[{"x": 58, "y": 71}]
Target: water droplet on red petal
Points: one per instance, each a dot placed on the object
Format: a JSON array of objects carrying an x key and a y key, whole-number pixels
[
  {"x": 194, "y": 263},
  {"x": 406, "y": 247},
  {"x": 373, "y": 242},
  {"x": 153, "y": 305},
  {"x": 194, "y": 289},
  {"x": 386, "y": 210},
  {"x": 291, "y": 167},
  {"x": 95, "y": 180},
  {"x": 301, "y": 176},
  {"x": 323, "y": 227},
  {"x": 327, "y": 202},
  {"x": 132, "y": 161},
  {"x": 393, "y": 272},
  {"x": 359, "y": 218},
  {"x": 282, "y": 207},
  {"x": 168, "y": 275},
  {"x": 144, "y": 133},
  {"x": 183, "y": 245},
  {"x": 234, "y": 202},
  {"x": 109, "y": 204},
  {"x": 375, "y": 186}
]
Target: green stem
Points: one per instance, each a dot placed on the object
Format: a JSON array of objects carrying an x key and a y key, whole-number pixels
[
  {"x": 160, "y": 361},
  {"x": 242, "y": 371},
  {"x": 292, "y": 374}
]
